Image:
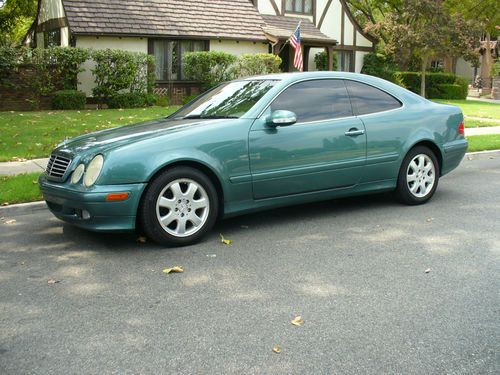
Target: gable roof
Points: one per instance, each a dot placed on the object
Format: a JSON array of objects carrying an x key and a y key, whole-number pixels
[
  {"x": 281, "y": 27},
  {"x": 225, "y": 19}
]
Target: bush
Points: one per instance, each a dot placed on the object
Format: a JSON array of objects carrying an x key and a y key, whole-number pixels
[
  {"x": 162, "y": 100},
  {"x": 121, "y": 72},
  {"x": 68, "y": 99},
  {"x": 378, "y": 65},
  {"x": 321, "y": 61},
  {"x": 411, "y": 80},
  {"x": 131, "y": 100},
  {"x": 495, "y": 69},
  {"x": 209, "y": 67},
  {"x": 186, "y": 99},
  {"x": 256, "y": 64},
  {"x": 449, "y": 91}
]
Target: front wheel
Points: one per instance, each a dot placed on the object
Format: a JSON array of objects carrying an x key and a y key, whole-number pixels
[
  {"x": 179, "y": 207},
  {"x": 418, "y": 177}
]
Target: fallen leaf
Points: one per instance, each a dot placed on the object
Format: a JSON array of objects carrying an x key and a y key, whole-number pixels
[
  {"x": 298, "y": 321},
  {"x": 5, "y": 203},
  {"x": 12, "y": 221},
  {"x": 427, "y": 270},
  {"x": 225, "y": 241},
  {"x": 176, "y": 269},
  {"x": 53, "y": 281},
  {"x": 211, "y": 255},
  {"x": 34, "y": 182},
  {"x": 430, "y": 219},
  {"x": 141, "y": 239},
  {"x": 277, "y": 349}
]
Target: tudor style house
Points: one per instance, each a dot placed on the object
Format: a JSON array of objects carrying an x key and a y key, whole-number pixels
[{"x": 169, "y": 28}]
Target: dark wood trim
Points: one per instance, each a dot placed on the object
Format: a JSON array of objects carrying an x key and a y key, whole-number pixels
[
  {"x": 275, "y": 7},
  {"x": 354, "y": 36},
  {"x": 314, "y": 11},
  {"x": 353, "y": 48},
  {"x": 173, "y": 37},
  {"x": 342, "y": 26},
  {"x": 52, "y": 24},
  {"x": 355, "y": 23},
  {"x": 325, "y": 11},
  {"x": 306, "y": 58}
]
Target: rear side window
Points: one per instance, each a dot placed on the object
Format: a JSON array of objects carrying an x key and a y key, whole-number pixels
[
  {"x": 368, "y": 99},
  {"x": 315, "y": 100}
]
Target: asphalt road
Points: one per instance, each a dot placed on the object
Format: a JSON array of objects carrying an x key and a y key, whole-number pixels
[{"x": 353, "y": 269}]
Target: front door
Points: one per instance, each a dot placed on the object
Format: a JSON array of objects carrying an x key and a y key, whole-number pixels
[{"x": 325, "y": 149}]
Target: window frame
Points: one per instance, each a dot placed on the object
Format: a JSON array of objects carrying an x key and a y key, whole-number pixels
[
  {"x": 303, "y": 6},
  {"x": 46, "y": 38},
  {"x": 354, "y": 107},
  {"x": 268, "y": 106},
  {"x": 151, "y": 51}
]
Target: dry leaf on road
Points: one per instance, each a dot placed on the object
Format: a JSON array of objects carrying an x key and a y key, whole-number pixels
[
  {"x": 298, "y": 321},
  {"x": 225, "y": 241},
  {"x": 141, "y": 239},
  {"x": 5, "y": 203},
  {"x": 427, "y": 270},
  {"x": 176, "y": 269},
  {"x": 277, "y": 349},
  {"x": 53, "y": 281},
  {"x": 12, "y": 221}
]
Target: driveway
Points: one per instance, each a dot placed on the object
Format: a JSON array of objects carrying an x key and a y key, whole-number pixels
[{"x": 355, "y": 270}]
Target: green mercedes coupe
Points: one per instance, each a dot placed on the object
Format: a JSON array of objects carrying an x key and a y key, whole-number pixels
[{"x": 255, "y": 144}]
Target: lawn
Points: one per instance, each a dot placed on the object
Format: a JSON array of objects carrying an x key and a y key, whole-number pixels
[
  {"x": 484, "y": 142},
  {"x": 19, "y": 189},
  {"x": 475, "y": 108},
  {"x": 29, "y": 135}
]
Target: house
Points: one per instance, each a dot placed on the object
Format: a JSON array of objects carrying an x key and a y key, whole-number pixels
[{"x": 169, "y": 28}]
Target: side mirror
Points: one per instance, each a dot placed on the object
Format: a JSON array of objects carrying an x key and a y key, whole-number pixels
[{"x": 281, "y": 118}]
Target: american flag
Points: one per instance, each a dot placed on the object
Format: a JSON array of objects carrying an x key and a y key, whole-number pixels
[{"x": 295, "y": 41}]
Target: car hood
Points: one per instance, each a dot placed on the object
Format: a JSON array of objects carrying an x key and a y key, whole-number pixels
[{"x": 105, "y": 140}]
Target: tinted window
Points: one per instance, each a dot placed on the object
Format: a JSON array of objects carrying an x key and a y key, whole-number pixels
[
  {"x": 315, "y": 100},
  {"x": 368, "y": 99}
]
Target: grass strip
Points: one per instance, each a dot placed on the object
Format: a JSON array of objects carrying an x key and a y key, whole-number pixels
[{"x": 19, "y": 189}]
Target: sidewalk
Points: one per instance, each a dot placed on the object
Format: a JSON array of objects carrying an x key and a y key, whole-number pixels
[{"x": 482, "y": 131}]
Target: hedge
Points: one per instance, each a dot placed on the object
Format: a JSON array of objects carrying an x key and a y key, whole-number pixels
[
  {"x": 68, "y": 99},
  {"x": 437, "y": 85},
  {"x": 131, "y": 100},
  {"x": 378, "y": 65},
  {"x": 256, "y": 64}
]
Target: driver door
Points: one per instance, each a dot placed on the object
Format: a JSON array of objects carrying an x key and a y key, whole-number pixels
[{"x": 325, "y": 148}]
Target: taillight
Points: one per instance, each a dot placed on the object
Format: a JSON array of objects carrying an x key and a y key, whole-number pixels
[{"x": 461, "y": 128}]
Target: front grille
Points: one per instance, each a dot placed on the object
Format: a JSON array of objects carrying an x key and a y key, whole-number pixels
[{"x": 57, "y": 166}]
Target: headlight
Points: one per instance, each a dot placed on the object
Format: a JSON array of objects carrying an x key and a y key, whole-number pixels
[
  {"x": 77, "y": 174},
  {"x": 93, "y": 171}
]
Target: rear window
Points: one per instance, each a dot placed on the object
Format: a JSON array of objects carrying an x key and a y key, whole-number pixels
[{"x": 367, "y": 99}]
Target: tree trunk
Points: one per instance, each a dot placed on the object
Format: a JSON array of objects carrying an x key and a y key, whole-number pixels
[{"x": 422, "y": 81}]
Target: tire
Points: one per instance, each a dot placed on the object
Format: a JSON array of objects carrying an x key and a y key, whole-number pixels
[
  {"x": 418, "y": 176},
  {"x": 178, "y": 207}
]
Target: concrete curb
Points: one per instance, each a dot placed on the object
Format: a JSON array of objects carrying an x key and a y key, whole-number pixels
[
  {"x": 28, "y": 208},
  {"x": 22, "y": 209}
]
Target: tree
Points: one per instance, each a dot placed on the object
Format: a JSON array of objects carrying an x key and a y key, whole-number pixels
[
  {"x": 423, "y": 28},
  {"x": 16, "y": 17}
]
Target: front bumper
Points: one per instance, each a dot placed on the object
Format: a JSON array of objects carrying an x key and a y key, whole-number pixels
[{"x": 88, "y": 208}]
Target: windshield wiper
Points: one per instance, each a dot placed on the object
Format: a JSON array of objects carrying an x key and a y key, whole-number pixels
[{"x": 206, "y": 117}]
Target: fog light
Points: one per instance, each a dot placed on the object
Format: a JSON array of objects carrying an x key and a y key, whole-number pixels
[{"x": 85, "y": 215}]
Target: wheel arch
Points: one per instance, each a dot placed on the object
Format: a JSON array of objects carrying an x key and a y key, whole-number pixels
[{"x": 433, "y": 147}]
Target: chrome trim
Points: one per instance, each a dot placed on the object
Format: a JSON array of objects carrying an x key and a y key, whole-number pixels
[{"x": 58, "y": 167}]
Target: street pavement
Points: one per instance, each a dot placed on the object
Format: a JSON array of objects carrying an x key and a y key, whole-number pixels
[{"x": 383, "y": 288}]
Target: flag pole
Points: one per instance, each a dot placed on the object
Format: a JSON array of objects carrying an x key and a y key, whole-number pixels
[{"x": 288, "y": 40}]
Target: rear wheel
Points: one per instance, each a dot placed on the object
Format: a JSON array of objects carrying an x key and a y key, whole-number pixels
[
  {"x": 418, "y": 177},
  {"x": 179, "y": 207}
]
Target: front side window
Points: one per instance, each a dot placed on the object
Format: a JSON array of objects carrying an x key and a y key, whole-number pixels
[
  {"x": 52, "y": 38},
  {"x": 315, "y": 100},
  {"x": 299, "y": 6},
  {"x": 168, "y": 55},
  {"x": 230, "y": 100},
  {"x": 368, "y": 99}
]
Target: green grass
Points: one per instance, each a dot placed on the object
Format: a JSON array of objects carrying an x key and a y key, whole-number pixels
[
  {"x": 484, "y": 142},
  {"x": 475, "y": 108},
  {"x": 29, "y": 135},
  {"x": 473, "y": 123},
  {"x": 20, "y": 188}
]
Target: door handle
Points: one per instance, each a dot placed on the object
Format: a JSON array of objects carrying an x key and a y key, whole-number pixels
[{"x": 354, "y": 132}]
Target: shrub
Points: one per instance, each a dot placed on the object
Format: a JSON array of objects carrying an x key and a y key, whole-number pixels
[
  {"x": 186, "y": 99},
  {"x": 131, "y": 100},
  {"x": 256, "y": 64},
  {"x": 495, "y": 69},
  {"x": 162, "y": 100},
  {"x": 121, "y": 72},
  {"x": 321, "y": 61},
  {"x": 68, "y": 99},
  {"x": 378, "y": 65},
  {"x": 411, "y": 81},
  {"x": 209, "y": 67}
]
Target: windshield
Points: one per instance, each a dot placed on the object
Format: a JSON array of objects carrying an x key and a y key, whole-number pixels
[{"x": 230, "y": 100}]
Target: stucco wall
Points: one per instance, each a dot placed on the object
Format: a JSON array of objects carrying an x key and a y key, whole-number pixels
[
  {"x": 465, "y": 69},
  {"x": 86, "y": 78},
  {"x": 50, "y": 9},
  {"x": 238, "y": 48},
  {"x": 359, "y": 61},
  {"x": 265, "y": 7}
]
